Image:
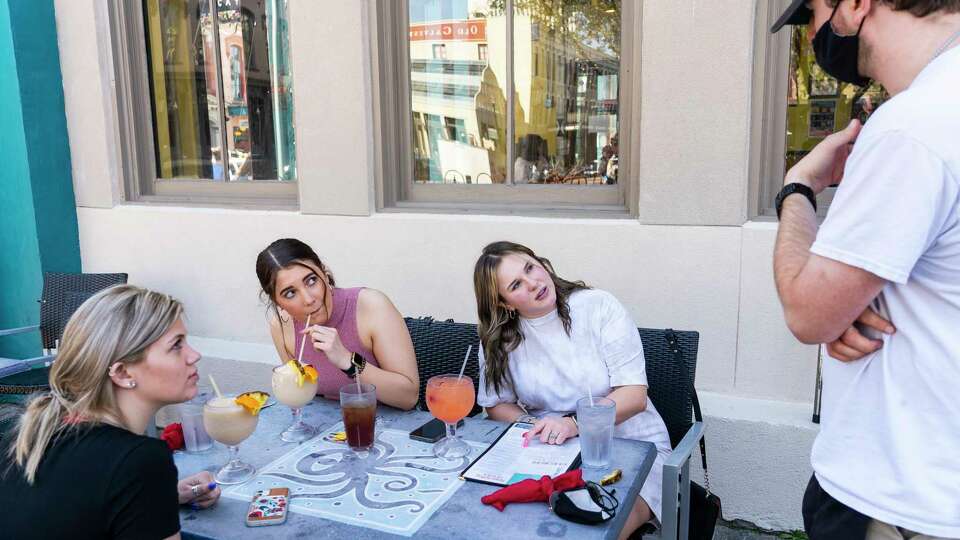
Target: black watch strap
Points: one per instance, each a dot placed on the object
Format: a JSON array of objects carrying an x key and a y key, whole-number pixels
[
  {"x": 790, "y": 189},
  {"x": 357, "y": 363}
]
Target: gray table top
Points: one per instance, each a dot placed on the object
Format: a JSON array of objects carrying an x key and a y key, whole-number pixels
[{"x": 461, "y": 516}]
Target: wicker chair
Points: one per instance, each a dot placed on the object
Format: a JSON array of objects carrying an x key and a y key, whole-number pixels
[
  {"x": 670, "y": 389},
  {"x": 440, "y": 347},
  {"x": 62, "y": 295}
]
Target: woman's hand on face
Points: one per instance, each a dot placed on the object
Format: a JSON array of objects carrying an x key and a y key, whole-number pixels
[
  {"x": 554, "y": 429},
  {"x": 198, "y": 490},
  {"x": 327, "y": 339}
]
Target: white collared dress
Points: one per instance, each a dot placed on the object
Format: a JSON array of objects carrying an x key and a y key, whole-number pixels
[{"x": 552, "y": 370}]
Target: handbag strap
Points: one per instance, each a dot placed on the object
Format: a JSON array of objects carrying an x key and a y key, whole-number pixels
[{"x": 677, "y": 350}]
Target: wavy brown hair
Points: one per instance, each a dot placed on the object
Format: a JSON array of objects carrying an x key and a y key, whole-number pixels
[{"x": 499, "y": 332}]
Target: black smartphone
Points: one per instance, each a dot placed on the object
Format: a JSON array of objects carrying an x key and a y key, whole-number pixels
[{"x": 431, "y": 432}]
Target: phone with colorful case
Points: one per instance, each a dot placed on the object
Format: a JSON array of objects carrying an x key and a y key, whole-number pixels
[{"x": 268, "y": 507}]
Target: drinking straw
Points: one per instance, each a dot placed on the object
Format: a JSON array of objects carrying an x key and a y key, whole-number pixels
[
  {"x": 215, "y": 387},
  {"x": 590, "y": 395},
  {"x": 464, "y": 366},
  {"x": 302, "y": 344}
]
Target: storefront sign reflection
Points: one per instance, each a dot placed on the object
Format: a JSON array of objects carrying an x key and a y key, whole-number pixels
[{"x": 470, "y": 30}]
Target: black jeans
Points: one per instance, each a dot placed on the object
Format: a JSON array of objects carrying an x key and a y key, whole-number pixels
[{"x": 825, "y": 518}]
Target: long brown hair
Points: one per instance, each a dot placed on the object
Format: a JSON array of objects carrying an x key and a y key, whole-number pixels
[
  {"x": 499, "y": 331},
  {"x": 281, "y": 254},
  {"x": 113, "y": 326}
]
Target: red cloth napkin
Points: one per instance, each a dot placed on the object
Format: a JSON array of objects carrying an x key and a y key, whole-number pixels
[
  {"x": 173, "y": 436},
  {"x": 531, "y": 490}
]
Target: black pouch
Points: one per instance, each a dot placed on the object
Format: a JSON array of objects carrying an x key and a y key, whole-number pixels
[{"x": 588, "y": 505}]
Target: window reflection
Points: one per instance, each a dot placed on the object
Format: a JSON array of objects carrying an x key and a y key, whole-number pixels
[
  {"x": 222, "y": 95},
  {"x": 817, "y": 104},
  {"x": 566, "y": 69}
]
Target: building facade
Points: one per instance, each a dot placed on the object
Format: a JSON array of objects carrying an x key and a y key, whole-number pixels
[{"x": 378, "y": 133}]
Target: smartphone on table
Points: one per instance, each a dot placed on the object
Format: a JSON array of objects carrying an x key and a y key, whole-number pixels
[
  {"x": 432, "y": 431},
  {"x": 268, "y": 507}
]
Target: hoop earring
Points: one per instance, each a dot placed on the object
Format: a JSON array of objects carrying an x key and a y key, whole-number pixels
[{"x": 512, "y": 314}]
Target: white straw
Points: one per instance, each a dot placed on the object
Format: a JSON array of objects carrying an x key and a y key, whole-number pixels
[
  {"x": 464, "y": 366},
  {"x": 590, "y": 394},
  {"x": 215, "y": 387},
  {"x": 303, "y": 343}
]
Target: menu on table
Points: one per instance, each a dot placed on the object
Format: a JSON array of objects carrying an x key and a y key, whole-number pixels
[{"x": 507, "y": 461}]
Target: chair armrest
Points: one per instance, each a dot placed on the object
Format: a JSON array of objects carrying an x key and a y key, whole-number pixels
[
  {"x": 684, "y": 450},
  {"x": 21, "y": 330},
  {"x": 675, "y": 521},
  {"x": 10, "y": 366}
]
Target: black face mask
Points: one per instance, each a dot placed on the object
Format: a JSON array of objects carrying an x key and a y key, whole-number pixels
[{"x": 837, "y": 55}]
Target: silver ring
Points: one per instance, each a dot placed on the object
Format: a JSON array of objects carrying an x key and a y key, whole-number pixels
[
  {"x": 195, "y": 489},
  {"x": 552, "y": 436}
]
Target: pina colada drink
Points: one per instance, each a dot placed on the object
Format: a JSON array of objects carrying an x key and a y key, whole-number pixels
[
  {"x": 230, "y": 420},
  {"x": 227, "y": 422},
  {"x": 291, "y": 388},
  {"x": 294, "y": 385}
]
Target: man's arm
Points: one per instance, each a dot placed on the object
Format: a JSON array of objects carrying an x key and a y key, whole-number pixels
[{"x": 821, "y": 297}]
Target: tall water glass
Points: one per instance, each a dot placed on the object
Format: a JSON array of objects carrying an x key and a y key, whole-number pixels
[
  {"x": 595, "y": 419},
  {"x": 195, "y": 438}
]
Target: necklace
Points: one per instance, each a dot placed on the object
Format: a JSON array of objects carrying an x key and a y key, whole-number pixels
[{"x": 944, "y": 46}]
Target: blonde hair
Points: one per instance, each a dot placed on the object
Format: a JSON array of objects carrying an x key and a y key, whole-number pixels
[{"x": 115, "y": 325}]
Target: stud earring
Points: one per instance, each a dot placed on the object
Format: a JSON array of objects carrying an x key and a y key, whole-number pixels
[{"x": 133, "y": 384}]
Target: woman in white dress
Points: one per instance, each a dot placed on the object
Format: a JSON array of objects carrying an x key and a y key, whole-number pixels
[{"x": 544, "y": 341}]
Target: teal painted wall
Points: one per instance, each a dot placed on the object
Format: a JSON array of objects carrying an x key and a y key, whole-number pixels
[{"x": 38, "y": 221}]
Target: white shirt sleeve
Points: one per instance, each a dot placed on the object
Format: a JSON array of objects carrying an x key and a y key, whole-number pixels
[
  {"x": 620, "y": 345},
  {"x": 486, "y": 397},
  {"x": 894, "y": 201}
]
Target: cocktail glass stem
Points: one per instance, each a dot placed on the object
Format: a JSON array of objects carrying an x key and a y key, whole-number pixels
[
  {"x": 235, "y": 471},
  {"x": 451, "y": 447},
  {"x": 298, "y": 431},
  {"x": 233, "y": 460}
]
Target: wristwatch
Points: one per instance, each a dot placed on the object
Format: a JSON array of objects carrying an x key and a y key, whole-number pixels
[
  {"x": 790, "y": 189},
  {"x": 357, "y": 363}
]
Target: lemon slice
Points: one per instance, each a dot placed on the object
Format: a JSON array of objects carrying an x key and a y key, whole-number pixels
[{"x": 252, "y": 401}]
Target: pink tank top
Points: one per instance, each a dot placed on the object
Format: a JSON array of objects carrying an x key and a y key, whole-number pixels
[{"x": 344, "y": 319}]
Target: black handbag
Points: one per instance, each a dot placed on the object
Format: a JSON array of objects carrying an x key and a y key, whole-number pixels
[{"x": 705, "y": 506}]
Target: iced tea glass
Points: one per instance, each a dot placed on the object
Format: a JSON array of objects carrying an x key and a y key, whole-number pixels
[
  {"x": 289, "y": 390},
  {"x": 450, "y": 398},
  {"x": 230, "y": 424},
  {"x": 358, "y": 402}
]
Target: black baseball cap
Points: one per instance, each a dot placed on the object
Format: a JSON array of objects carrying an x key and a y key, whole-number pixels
[{"x": 798, "y": 13}]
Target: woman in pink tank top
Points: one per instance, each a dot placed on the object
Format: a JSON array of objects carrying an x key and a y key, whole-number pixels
[{"x": 350, "y": 331}]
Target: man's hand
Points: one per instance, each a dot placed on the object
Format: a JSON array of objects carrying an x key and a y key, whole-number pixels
[
  {"x": 853, "y": 345},
  {"x": 823, "y": 166}
]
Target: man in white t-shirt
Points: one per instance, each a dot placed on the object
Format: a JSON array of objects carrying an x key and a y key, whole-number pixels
[{"x": 887, "y": 459}]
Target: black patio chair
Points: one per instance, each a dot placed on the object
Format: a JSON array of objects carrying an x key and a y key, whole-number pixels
[
  {"x": 671, "y": 362},
  {"x": 62, "y": 295},
  {"x": 440, "y": 347}
]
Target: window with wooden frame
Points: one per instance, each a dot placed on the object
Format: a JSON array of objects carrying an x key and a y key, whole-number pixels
[
  {"x": 526, "y": 109},
  {"x": 205, "y": 99}
]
